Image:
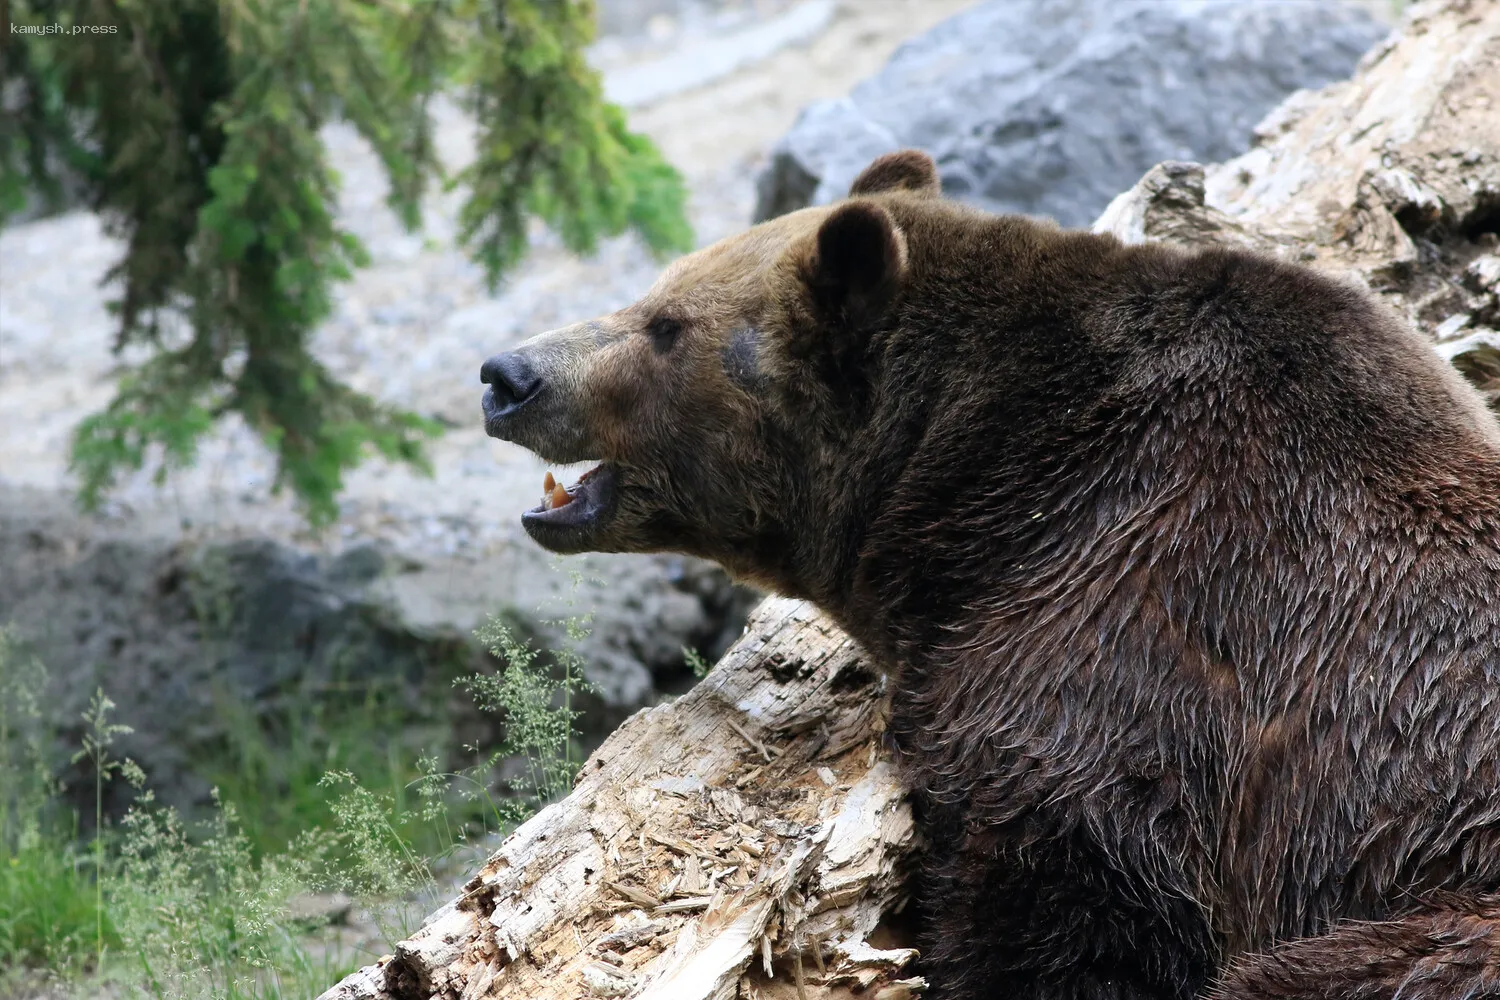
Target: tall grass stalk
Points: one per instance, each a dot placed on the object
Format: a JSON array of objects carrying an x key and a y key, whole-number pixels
[{"x": 97, "y": 739}]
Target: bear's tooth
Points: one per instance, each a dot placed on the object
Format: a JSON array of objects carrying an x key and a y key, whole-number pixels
[
  {"x": 548, "y": 483},
  {"x": 559, "y": 496}
]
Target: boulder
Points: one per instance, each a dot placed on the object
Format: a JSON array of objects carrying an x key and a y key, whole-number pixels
[{"x": 1051, "y": 107}]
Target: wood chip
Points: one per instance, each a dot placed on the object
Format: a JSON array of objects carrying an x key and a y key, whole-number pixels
[
  {"x": 692, "y": 876},
  {"x": 683, "y": 905},
  {"x": 629, "y": 938},
  {"x": 683, "y": 848},
  {"x": 765, "y": 751},
  {"x": 638, "y": 896}
]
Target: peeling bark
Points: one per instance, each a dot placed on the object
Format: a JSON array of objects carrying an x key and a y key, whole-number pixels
[{"x": 751, "y": 839}]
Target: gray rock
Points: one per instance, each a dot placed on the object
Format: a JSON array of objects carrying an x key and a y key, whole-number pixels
[
  {"x": 192, "y": 637},
  {"x": 1051, "y": 107}
]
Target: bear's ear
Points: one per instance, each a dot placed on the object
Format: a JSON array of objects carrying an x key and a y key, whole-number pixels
[
  {"x": 909, "y": 170},
  {"x": 860, "y": 264}
]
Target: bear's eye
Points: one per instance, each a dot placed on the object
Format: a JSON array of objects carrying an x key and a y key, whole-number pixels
[{"x": 663, "y": 331}]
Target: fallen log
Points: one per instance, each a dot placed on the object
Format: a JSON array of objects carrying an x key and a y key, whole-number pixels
[
  {"x": 743, "y": 839},
  {"x": 750, "y": 839}
]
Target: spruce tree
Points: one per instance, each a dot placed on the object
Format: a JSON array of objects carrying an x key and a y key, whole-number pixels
[{"x": 192, "y": 127}]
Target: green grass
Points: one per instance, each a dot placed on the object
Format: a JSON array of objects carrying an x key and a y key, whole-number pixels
[
  {"x": 314, "y": 800},
  {"x": 279, "y": 762},
  {"x": 48, "y": 917}
]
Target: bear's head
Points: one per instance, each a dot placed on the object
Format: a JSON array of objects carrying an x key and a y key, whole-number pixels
[
  {"x": 720, "y": 405},
  {"x": 896, "y": 405}
]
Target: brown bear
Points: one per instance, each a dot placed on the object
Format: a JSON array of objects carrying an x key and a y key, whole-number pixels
[{"x": 1186, "y": 566}]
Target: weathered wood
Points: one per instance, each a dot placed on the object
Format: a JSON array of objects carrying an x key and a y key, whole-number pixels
[
  {"x": 749, "y": 839},
  {"x": 749, "y": 831}
]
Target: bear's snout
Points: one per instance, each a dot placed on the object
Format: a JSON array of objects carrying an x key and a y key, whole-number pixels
[
  {"x": 511, "y": 378},
  {"x": 535, "y": 397}
]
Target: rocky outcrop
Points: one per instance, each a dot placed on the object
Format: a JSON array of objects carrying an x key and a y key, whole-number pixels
[
  {"x": 1050, "y": 107},
  {"x": 194, "y": 636}
]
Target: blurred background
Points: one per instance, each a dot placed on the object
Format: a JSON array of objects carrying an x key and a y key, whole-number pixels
[{"x": 249, "y": 269}]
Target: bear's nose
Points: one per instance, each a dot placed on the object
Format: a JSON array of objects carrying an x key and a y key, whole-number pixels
[{"x": 511, "y": 377}]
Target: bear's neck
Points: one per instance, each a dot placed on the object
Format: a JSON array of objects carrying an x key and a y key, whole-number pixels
[{"x": 940, "y": 486}]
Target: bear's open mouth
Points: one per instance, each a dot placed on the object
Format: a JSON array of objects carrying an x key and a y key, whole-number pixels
[{"x": 569, "y": 515}]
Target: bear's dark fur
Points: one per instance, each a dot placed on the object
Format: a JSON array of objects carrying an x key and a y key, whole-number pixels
[{"x": 1187, "y": 565}]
